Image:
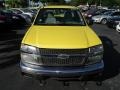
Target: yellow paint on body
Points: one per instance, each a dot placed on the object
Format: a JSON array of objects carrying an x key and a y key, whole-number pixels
[{"x": 61, "y": 37}]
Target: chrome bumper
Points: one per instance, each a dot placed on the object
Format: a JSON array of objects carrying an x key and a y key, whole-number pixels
[{"x": 61, "y": 71}]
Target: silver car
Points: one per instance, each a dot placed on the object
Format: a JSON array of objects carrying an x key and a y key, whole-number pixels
[{"x": 105, "y": 16}]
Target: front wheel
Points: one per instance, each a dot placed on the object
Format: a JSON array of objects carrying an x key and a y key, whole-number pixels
[
  {"x": 118, "y": 30},
  {"x": 104, "y": 21}
]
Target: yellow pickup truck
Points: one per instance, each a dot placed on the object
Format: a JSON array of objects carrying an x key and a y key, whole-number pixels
[{"x": 60, "y": 44}]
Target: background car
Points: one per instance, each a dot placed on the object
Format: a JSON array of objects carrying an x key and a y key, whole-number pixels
[
  {"x": 94, "y": 11},
  {"x": 118, "y": 28},
  {"x": 5, "y": 20},
  {"x": 31, "y": 12},
  {"x": 11, "y": 20},
  {"x": 89, "y": 13},
  {"x": 34, "y": 9},
  {"x": 113, "y": 21},
  {"x": 103, "y": 18},
  {"x": 26, "y": 17},
  {"x": 23, "y": 11},
  {"x": 2, "y": 18}
]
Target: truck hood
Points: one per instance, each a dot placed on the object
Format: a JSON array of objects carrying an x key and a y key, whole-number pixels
[{"x": 65, "y": 37}]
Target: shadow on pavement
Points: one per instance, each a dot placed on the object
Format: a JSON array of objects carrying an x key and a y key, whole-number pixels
[{"x": 111, "y": 59}]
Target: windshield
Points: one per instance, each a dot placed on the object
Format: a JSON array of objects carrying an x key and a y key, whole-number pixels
[
  {"x": 59, "y": 17},
  {"x": 107, "y": 13}
]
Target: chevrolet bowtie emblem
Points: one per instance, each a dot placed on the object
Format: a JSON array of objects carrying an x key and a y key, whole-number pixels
[{"x": 63, "y": 56}]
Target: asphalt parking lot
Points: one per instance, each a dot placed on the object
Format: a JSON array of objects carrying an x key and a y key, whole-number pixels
[{"x": 11, "y": 79}]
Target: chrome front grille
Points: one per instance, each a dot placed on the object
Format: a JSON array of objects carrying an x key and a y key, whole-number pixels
[
  {"x": 63, "y": 57},
  {"x": 62, "y": 51}
]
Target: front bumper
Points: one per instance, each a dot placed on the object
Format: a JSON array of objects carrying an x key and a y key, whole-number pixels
[
  {"x": 34, "y": 70},
  {"x": 96, "y": 20}
]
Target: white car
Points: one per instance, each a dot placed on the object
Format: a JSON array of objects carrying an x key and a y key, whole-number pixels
[{"x": 118, "y": 27}]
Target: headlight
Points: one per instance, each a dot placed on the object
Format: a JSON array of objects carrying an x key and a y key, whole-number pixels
[
  {"x": 89, "y": 15},
  {"x": 29, "y": 49},
  {"x": 29, "y": 54},
  {"x": 95, "y": 54}
]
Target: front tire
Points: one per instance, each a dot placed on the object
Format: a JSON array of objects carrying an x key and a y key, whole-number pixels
[
  {"x": 104, "y": 21},
  {"x": 118, "y": 30}
]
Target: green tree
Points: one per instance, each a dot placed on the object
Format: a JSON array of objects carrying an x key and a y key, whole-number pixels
[
  {"x": 78, "y": 2},
  {"x": 11, "y": 3},
  {"x": 56, "y": 1},
  {"x": 17, "y": 3},
  {"x": 35, "y": 0},
  {"x": 118, "y": 2},
  {"x": 24, "y": 3},
  {"x": 97, "y": 2},
  {"x": 109, "y": 2},
  {"x": 43, "y": 1}
]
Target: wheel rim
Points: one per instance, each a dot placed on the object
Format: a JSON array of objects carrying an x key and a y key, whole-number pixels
[{"x": 104, "y": 21}]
